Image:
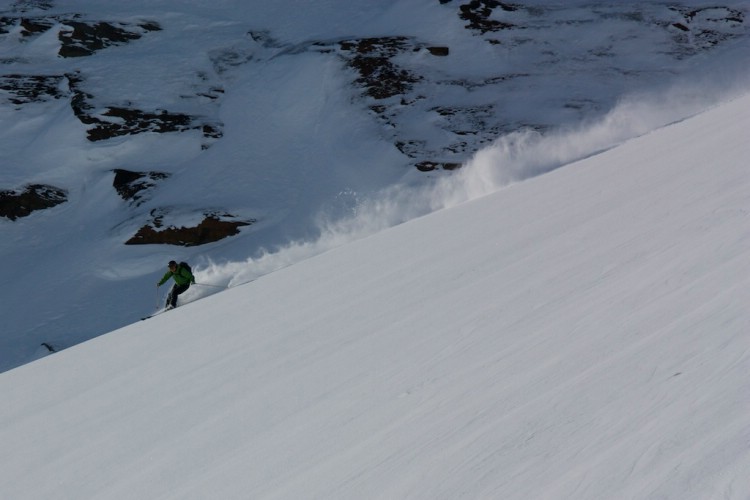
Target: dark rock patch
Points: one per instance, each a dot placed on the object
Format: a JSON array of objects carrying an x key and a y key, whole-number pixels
[
  {"x": 214, "y": 227},
  {"x": 35, "y": 26},
  {"x": 22, "y": 7},
  {"x": 212, "y": 131},
  {"x": 24, "y": 89},
  {"x": 80, "y": 37},
  {"x": 478, "y": 13},
  {"x": 680, "y": 26},
  {"x": 83, "y": 39},
  {"x": 694, "y": 29},
  {"x": 412, "y": 148},
  {"x": 16, "y": 204},
  {"x": 439, "y": 51},
  {"x": 131, "y": 186},
  {"x": 128, "y": 121},
  {"x": 116, "y": 121},
  {"x": 390, "y": 87},
  {"x": 704, "y": 28},
  {"x": 379, "y": 76},
  {"x": 5, "y": 23},
  {"x": 109, "y": 121}
]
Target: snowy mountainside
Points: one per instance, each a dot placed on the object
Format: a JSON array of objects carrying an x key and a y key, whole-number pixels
[
  {"x": 141, "y": 132},
  {"x": 581, "y": 335}
]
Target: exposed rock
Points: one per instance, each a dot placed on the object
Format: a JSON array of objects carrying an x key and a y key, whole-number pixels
[
  {"x": 109, "y": 121},
  {"x": 704, "y": 28},
  {"x": 382, "y": 80},
  {"x": 131, "y": 185},
  {"x": 21, "y": 7},
  {"x": 213, "y": 227},
  {"x": 115, "y": 121},
  {"x": 395, "y": 74},
  {"x": 380, "y": 77},
  {"x": 5, "y": 23},
  {"x": 79, "y": 37},
  {"x": 479, "y": 12},
  {"x": 82, "y": 38},
  {"x": 35, "y": 26},
  {"x": 23, "y": 89},
  {"x": 412, "y": 148},
  {"x": 128, "y": 121},
  {"x": 694, "y": 30},
  {"x": 680, "y": 26},
  {"x": 15, "y": 204},
  {"x": 85, "y": 38},
  {"x": 439, "y": 51}
]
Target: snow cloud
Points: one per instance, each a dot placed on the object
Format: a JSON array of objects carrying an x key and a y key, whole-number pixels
[{"x": 511, "y": 158}]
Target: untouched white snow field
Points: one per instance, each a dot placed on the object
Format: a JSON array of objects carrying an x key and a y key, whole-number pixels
[{"x": 581, "y": 335}]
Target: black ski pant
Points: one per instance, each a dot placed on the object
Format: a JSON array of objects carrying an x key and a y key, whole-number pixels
[{"x": 176, "y": 290}]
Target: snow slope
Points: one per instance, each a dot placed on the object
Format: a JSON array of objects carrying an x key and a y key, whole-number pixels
[
  {"x": 583, "y": 334},
  {"x": 304, "y": 152}
]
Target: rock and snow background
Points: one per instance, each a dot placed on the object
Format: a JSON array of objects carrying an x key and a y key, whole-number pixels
[
  {"x": 140, "y": 132},
  {"x": 473, "y": 249},
  {"x": 583, "y": 334}
]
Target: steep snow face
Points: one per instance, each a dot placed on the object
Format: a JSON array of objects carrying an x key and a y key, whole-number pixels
[
  {"x": 244, "y": 136},
  {"x": 582, "y": 335}
]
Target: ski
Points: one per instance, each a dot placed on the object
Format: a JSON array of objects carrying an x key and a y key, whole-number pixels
[
  {"x": 160, "y": 311},
  {"x": 49, "y": 347}
]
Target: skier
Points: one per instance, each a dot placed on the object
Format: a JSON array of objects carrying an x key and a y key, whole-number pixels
[{"x": 183, "y": 277}]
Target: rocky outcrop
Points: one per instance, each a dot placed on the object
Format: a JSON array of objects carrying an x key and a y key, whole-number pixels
[
  {"x": 79, "y": 37},
  {"x": 701, "y": 29},
  {"x": 531, "y": 78},
  {"x": 132, "y": 186},
  {"x": 25, "y": 89},
  {"x": 21, "y": 203},
  {"x": 380, "y": 77},
  {"x": 114, "y": 121},
  {"x": 213, "y": 227},
  {"x": 390, "y": 86},
  {"x": 85, "y": 38},
  {"x": 478, "y": 13}
]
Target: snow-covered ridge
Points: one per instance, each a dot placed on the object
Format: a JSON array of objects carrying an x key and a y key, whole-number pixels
[{"x": 296, "y": 129}]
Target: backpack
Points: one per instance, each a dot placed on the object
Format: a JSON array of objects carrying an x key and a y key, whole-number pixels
[{"x": 185, "y": 265}]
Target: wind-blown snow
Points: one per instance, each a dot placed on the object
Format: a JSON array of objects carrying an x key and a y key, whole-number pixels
[{"x": 582, "y": 334}]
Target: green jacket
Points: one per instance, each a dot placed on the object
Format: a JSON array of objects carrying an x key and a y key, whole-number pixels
[{"x": 182, "y": 277}]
